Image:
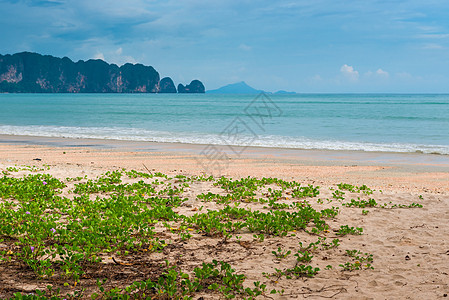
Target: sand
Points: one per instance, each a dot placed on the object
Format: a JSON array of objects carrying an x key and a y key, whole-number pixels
[{"x": 410, "y": 247}]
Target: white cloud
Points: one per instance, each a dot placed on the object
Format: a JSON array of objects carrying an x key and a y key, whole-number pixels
[
  {"x": 99, "y": 55},
  {"x": 115, "y": 57},
  {"x": 404, "y": 75},
  {"x": 377, "y": 74},
  {"x": 245, "y": 47},
  {"x": 125, "y": 59},
  {"x": 382, "y": 73},
  {"x": 316, "y": 78},
  {"x": 428, "y": 28},
  {"x": 433, "y": 36},
  {"x": 433, "y": 46},
  {"x": 349, "y": 72}
]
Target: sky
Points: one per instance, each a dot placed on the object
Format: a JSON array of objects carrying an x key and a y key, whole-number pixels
[{"x": 313, "y": 46}]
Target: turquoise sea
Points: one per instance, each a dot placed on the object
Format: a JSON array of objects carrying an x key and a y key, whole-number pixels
[{"x": 367, "y": 122}]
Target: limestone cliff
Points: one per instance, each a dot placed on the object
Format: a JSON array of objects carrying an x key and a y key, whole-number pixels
[
  {"x": 167, "y": 86},
  {"x": 35, "y": 73},
  {"x": 195, "y": 86}
]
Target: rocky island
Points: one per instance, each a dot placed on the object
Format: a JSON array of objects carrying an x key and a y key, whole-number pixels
[
  {"x": 195, "y": 86},
  {"x": 28, "y": 72}
]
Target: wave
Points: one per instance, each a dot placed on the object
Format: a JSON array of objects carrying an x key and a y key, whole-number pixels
[{"x": 272, "y": 141}]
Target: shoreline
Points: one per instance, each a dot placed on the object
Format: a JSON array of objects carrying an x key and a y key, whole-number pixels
[
  {"x": 107, "y": 142},
  {"x": 317, "y": 156},
  {"x": 405, "y": 171}
]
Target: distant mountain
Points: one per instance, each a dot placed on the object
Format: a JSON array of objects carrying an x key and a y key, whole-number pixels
[
  {"x": 284, "y": 93},
  {"x": 235, "y": 88},
  {"x": 28, "y": 72},
  {"x": 243, "y": 88}
]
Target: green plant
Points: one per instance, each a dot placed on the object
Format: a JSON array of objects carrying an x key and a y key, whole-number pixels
[
  {"x": 280, "y": 254},
  {"x": 337, "y": 194},
  {"x": 345, "y": 229},
  {"x": 303, "y": 256},
  {"x": 297, "y": 271},
  {"x": 355, "y": 189},
  {"x": 326, "y": 246},
  {"x": 308, "y": 191},
  {"x": 359, "y": 261},
  {"x": 361, "y": 203}
]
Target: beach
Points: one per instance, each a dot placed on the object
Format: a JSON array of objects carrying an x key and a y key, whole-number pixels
[
  {"x": 410, "y": 253},
  {"x": 193, "y": 150}
]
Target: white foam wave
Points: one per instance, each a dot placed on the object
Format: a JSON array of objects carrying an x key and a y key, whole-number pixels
[{"x": 136, "y": 134}]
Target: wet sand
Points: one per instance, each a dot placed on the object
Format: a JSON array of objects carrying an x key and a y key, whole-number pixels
[{"x": 399, "y": 170}]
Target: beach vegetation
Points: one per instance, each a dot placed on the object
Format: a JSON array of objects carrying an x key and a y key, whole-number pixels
[
  {"x": 361, "y": 203},
  {"x": 81, "y": 233},
  {"x": 345, "y": 229},
  {"x": 280, "y": 254},
  {"x": 355, "y": 189},
  {"x": 358, "y": 261}
]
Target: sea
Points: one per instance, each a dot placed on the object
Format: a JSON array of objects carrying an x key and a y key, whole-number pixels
[{"x": 363, "y": 122}]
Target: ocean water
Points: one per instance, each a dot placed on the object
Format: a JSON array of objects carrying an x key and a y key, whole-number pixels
[{"x": 366, "y": 122}]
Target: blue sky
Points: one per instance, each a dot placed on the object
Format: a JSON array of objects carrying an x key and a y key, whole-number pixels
[{"x": 302, "y": 46}]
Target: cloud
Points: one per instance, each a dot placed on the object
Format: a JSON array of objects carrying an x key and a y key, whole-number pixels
[
  {"x": 99, "y": 55},
  {"x": 404, "y": 75},
  {"x": 115, "y": 56},
  {"x": 245, "y": 47},
  {"x": 433, "y": 36},
  {"x": 382, "y": 73},
  {"x": 316, "y": 78},
  {"x": 45, "y": 3},
  {"x": 433, "y": 46},
  {"x": 349, "y": 72}
]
